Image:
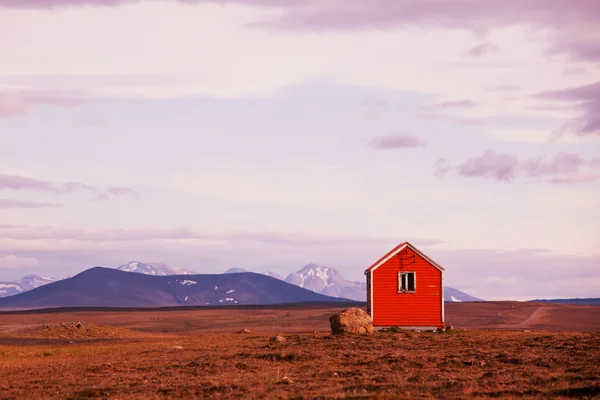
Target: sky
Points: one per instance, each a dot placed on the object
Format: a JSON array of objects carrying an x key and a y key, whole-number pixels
[{"x": 269, "y": 134}]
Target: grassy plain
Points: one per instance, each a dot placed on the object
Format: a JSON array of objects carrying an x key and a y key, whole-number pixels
[{"x": 504, "y": 350}]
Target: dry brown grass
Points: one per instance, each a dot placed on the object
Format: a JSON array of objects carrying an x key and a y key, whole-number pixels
[{"x": 186, "y": 364}]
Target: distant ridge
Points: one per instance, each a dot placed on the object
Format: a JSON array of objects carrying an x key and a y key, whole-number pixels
[
  {"x": 108, "y": 287},
  {"x": 580, "y": 301}
]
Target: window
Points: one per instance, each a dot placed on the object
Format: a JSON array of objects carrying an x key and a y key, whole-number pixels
[{"x": 407, "y": 282}]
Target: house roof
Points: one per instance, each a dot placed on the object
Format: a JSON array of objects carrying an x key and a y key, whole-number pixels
[{"x": 397, "y": 250}]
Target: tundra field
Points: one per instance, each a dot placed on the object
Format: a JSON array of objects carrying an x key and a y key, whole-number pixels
[{"x": 496, "y": 349}]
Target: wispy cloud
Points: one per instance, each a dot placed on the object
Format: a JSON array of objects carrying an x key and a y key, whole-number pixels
[
  {"x": 504, "y": 88},
  {"x": 16, "y": 182},
  {"x": 587, "y": 99},
  {"x": 18, "y": 102},
  {"x": 483, "y": 49},
  {"x": 9, "y": 203},
  {"x": 396, "y": 142},
  {"x": 374, "y": 107},
  {"x": 116, "y": 192},
  {"x": 441, "y": 166},
  {"x": 561, "y": 168},
  {"x": 14, "y": 261},
  {"x": 454, "y": 104},
  {"x": 31, "y": 232},
  {"x": 491, "y": 165},
  {"x": 573, "y": 22},
  {"x": 465, "y": 121}
]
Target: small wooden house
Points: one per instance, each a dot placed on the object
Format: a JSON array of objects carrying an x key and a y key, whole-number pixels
[{"x": 405, "y": 289}]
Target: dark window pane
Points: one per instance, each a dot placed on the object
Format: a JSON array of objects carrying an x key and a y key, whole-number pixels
[{"x": 411, "y": 281}]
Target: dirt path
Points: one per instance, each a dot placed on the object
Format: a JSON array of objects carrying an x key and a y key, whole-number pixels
[{"x": 533, "y": 318}]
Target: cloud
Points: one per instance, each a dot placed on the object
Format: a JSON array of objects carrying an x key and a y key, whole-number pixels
[
  {"x": 483, "y": 49},
  {"x": 465, "y": 121},
  {"x": 374, "y": 107},
  {"x": 519, "y": 274},
  {"x": 574, "y": 71},
  {"x": 581, "y": 44},
  {"x": 63, "y": 3},
  {"x": 79, "y": 234},
  {"x": 587, "y": 98},
  {"x": 441, "y": 167},
  {"x": 561, "y": 168},
  {"x": 561, "y": 163},
  {"x": 8, "y": 203},
  {"x": 18, "y": 102},
  {"x": 13, "y": 261},
  {"x": 16, "y": 182},
  {"x": 504, "y": 88},
  {"x": 116, "y": 192},
  {"x": 500, "y": 167},
  {"x": 574, "y": 23},
  {"x": 454, "y": 104},
  {"x": 396, "y": 142}
]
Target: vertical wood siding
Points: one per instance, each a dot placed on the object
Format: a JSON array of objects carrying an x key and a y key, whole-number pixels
[{"x": 423, "y": 308}]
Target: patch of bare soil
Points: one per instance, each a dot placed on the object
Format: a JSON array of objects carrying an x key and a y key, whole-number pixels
[
  {"x": 460, "y": 364},
  {"x": 77, "y": 330}
]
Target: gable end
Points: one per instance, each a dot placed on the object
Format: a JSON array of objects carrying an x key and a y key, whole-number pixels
[{"x": 397, "y": 250}]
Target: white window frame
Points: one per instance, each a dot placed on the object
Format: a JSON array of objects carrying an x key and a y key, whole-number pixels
[{"x": 404, "y": 275}]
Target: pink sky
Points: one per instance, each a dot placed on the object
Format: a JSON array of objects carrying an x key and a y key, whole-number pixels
[{"x": 269, "y": 134}]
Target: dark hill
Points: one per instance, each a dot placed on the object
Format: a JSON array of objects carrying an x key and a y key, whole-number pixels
[
  {"x": 586, "y": 301},
  {"x": 107, "y": 287}
]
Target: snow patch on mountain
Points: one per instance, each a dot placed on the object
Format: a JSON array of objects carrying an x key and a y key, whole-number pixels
[
  {"x": 24, "y": 284},
  {"x": 274, "y": 275},
  {"x": 158, "y": 269},
  {"x": 186, "y": 282},
  {"x": 235, "y": 271}
]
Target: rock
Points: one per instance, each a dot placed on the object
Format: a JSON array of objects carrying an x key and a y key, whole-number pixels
[
  {"x": 351, "y": 320},
  {"x": 277, "y": 339},
  {"x": 243, "y": 331},
  {"x": 78, "y": 324}
]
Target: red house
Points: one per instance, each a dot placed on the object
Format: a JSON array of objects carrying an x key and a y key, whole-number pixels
[{"x": 405, "y": 289}]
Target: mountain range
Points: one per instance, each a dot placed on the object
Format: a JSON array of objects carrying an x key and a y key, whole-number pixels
[
  {"x": 109, "y": 287},
  {"x": 316, "y": 278},
  {"x": 23, "y": 285}
]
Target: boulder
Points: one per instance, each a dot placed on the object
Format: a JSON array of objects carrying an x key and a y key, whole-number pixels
[
  {"x": 351, "y": 320},
  {"x": 277, "y": 339}
]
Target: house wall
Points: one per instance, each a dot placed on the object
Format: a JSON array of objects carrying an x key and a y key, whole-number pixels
[{"x": 423, "y": 308}]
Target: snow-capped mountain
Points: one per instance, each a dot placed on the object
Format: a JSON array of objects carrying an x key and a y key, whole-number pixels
[
  {"x": 273, "y": 275},
  {"x": 455, "y": 295},
  {"x": 154, "y": 269},
  {"x": 235, "y": 270},
  {"x": 327, "y": 281},
  {"x": 24, "y": 284}
]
